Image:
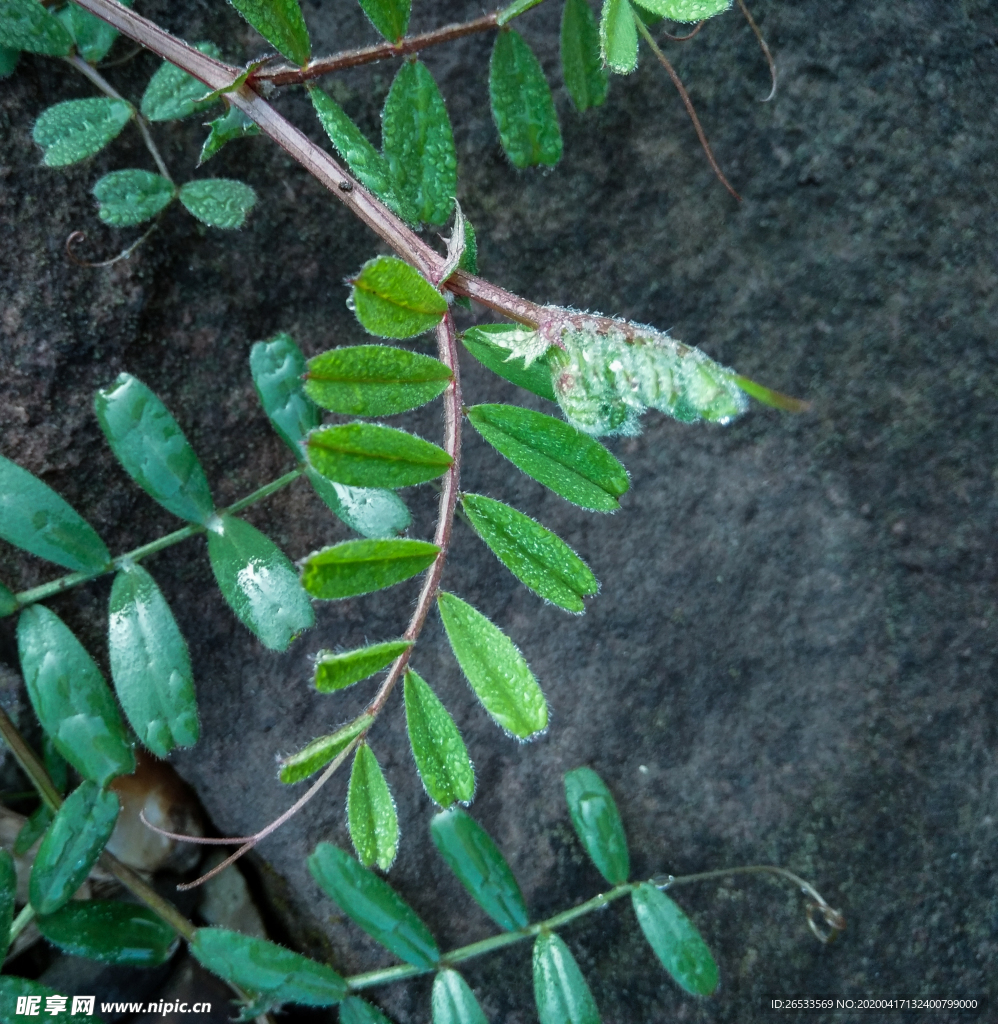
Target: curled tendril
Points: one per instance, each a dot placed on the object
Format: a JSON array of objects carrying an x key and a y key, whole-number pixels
[
  {"x": 80, "y": 236},
  {"x": 689, "y": 35},
  {"x": 765, "y": 49},
  {"x": 834, "y": 922}
]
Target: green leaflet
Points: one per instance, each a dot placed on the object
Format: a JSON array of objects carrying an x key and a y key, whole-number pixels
[
  {"x": 78, "y": 833},
  {"x": 685, "y": 10},
  {"x": 355, "y": 1010},
  {"x": 94, "y": 38},
  {"x": 581, "y": 63},
  {"x": 480, "y": 867},
  {"x": 71, "y": 699},
  {"x": 218, "y": 202},
  {"x": 370, "y": 455},
  {"x": 371, "y": 817},
  {"x": 393, "y": 300},
  {"x": 515, "y": 9},
  {"x": 110, "y": 932},
  {"x": 8, "y": 893},
  {"x": 554, "y": 453},
  {"x": 373, "y": 905},
  {"x": 8, "y": 59},
  {"x": 279, "y": 22},
  {"x": 468, "y": 261},
  {"x": 618, "y": 35},
  {"x": 418, "y": 144},
  {"x": 540, "y": 559},
  {"x": 675, "y": 940},
  {"x": 336, "y": 670},
  {"x": 453, "y": 1002},
  {"x": 13, "y": 988},
  {"x": 320, "y": 752},
  {"x": 32, "y": 830},
  {"x": 172, "y": 93},
  {"x": 152, "y": 448},
  {"x": 374, "y": 380},
  {"x": 233, "y": 124},
  {"x": 277, "y": 366},
  {"x": 495, "y": 669},
  {"x": 561, "y": 993},
  {"x": 372, "y": 511},
  {"x": 26, "y": 25},
  {"x": 267, "y": 969},
  {"x": 437, "y": 747},
  {"x": 8, "y": 602},
  {"x": 536, "y": 377},
  {"x": 149, "y": 664},
  {"x": 597, "y": 822},
  {"x": 70, "y": 132},
  {"x": 259, "y": 582},
  {"x": 131, "y": 197},
  {"x": 389, "y": 17},
  {"x": 34, "y": 518},
  {"x": 364, "y": 566},
  {"x": 362, "y": 158},
  {"x": 55, "y": 764},
  {"x": 522, "y": 107}
]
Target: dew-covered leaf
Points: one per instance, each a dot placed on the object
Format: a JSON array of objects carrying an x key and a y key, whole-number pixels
[
  {"x": 453, "y": 1002},
  {"x": 321, "y": 751},
  {"x": 596, "y": 819},
  {"x": 152, "y": 448},
  {"x": 172, "y": 93},
  {"x": 280, "y": 22},
  {"x": 94, "y": 38},
  {"x": 277, "y": 367},
  {"x": 418, "y": 143},
  {"x": 34, "y": 518},
  {"x": 389, "y": 17},
  {"x": 581, "y": 62},
  {"x": 232, "y": 125},
  {"x": 496, "y": 670},
  {"x": 8, "y": 893},
  {"x": 370, "y": 455},
  {"x": 149, "y": 664},
  {"x": 561, "y": 993},
  {"x": 80, "y": 830},
  {"x": 218, "y": 202},
  {"x": 355, "y": 1010},
  {"x": 480, "y": 867},
  {"x": 675, "y": 940},
  {"x": 73, "y": 130},
  {"x": 27, "y": 25},
  {"x": 618, "y": 36},
  {"x": 373, "y": 905},
  {"x": 374, "y": 380},
  {"x": 110, "y": 932},
  {"x": 259, "y": 582},
  {"x": 371, "y": 511},
  {"x": 393, "y": 300},
  {"x": 131, "y": 197},
  {"x": 267, "y": 969},
  {"x": 336, "y": 670},
  {"x": 522, "y": 106},
  {"x": 481, "y": 343},
  {"x": 685, "y": 10},
  {"x": 437, "y": 747},
  {"x": 554, "y": 453},
  {"x": 71, "y": 698},
  {"x": 13, "y": 988},
  {"x": 364, "y": 566},
  {"x": 371, "y": 817},
  {"x": 540, "y": 559}
]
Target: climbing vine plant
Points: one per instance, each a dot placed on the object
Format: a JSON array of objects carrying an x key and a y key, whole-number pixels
[{"x": 601, "y": 373}]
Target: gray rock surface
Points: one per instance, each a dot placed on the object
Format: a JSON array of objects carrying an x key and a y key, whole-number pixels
[{"x": 792, "y": 657}]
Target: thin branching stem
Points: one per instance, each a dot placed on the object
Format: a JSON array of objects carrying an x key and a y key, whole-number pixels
[
  {"x": 688, "y": 36},
  {"x": 765, "y": 49}
]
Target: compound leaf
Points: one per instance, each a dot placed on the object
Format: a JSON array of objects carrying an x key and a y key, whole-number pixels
[
  {"x": 218, "y": 202},
  {"x": 320, "y": 752},
  {"x": 277, "y": 367},
  {"x": 72, "y": 131},
  {"x": 393, "y": 300},
  {"x": 94, "y": 38},
  {"x": 8, "y": 893},
  {"x": 27, "y": 25},
  {"x": 453, "y": 1002},
  {"x": 370, "y": 455},
  {"x": 267, "y": 969},
  {"x": 364, "y": 566},
  {"x": 437, "y": 748},
  {"x": 131, "y": 197},
  {"x": 675, "y": 940},
  {"x": 597, "y": 822},
  {"x": 480, "y": 867},
  {"x": 371, "y": 817},
  {"x": 685, "y": 10},
  {"x": 34, "y": 518},
  {"x": 536, "y": 377},
  {"x": 561, "y": 993},
  {"x": 389, "y": 17},
  {"x": 233, "y": 124},
  {"x": 538, "y": 558},
  {"x": 149, "y": 664},
  {"x": 280, "y": 22},
  {"x": 581, "y": 63},
  {"x": 71, "y": 698},
  {"x": 72, "y": 844},
  {"x": 259, "y": 582},
  {"x": 152, "y": 448},
  {"x": 554, "y": 453},
  {"x": 111, "y": 932},
  {"x": 374, "y": 380},
  {"x": 172, "y": 93},
  {"x": 418, "y": 144},
  {"x": 355, "y": 1010},
  {"x": 372, "y": 511},
  {"x": 522, "y": 106},
  {"x": 336, "y": 670},
  {"x": 495, "y": 669},
  {"x": 618, "y": 35},
  {"x": 374, "y": 906}
]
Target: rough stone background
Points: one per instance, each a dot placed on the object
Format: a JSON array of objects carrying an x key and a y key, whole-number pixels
[{"x": 792, "y": 657}]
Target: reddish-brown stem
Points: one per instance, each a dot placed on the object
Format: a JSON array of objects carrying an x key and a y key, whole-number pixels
[
  {"x": 689, "y": 35},
  {"x": 765, "y": 49},
  {"x": 371, "y": 54}
]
